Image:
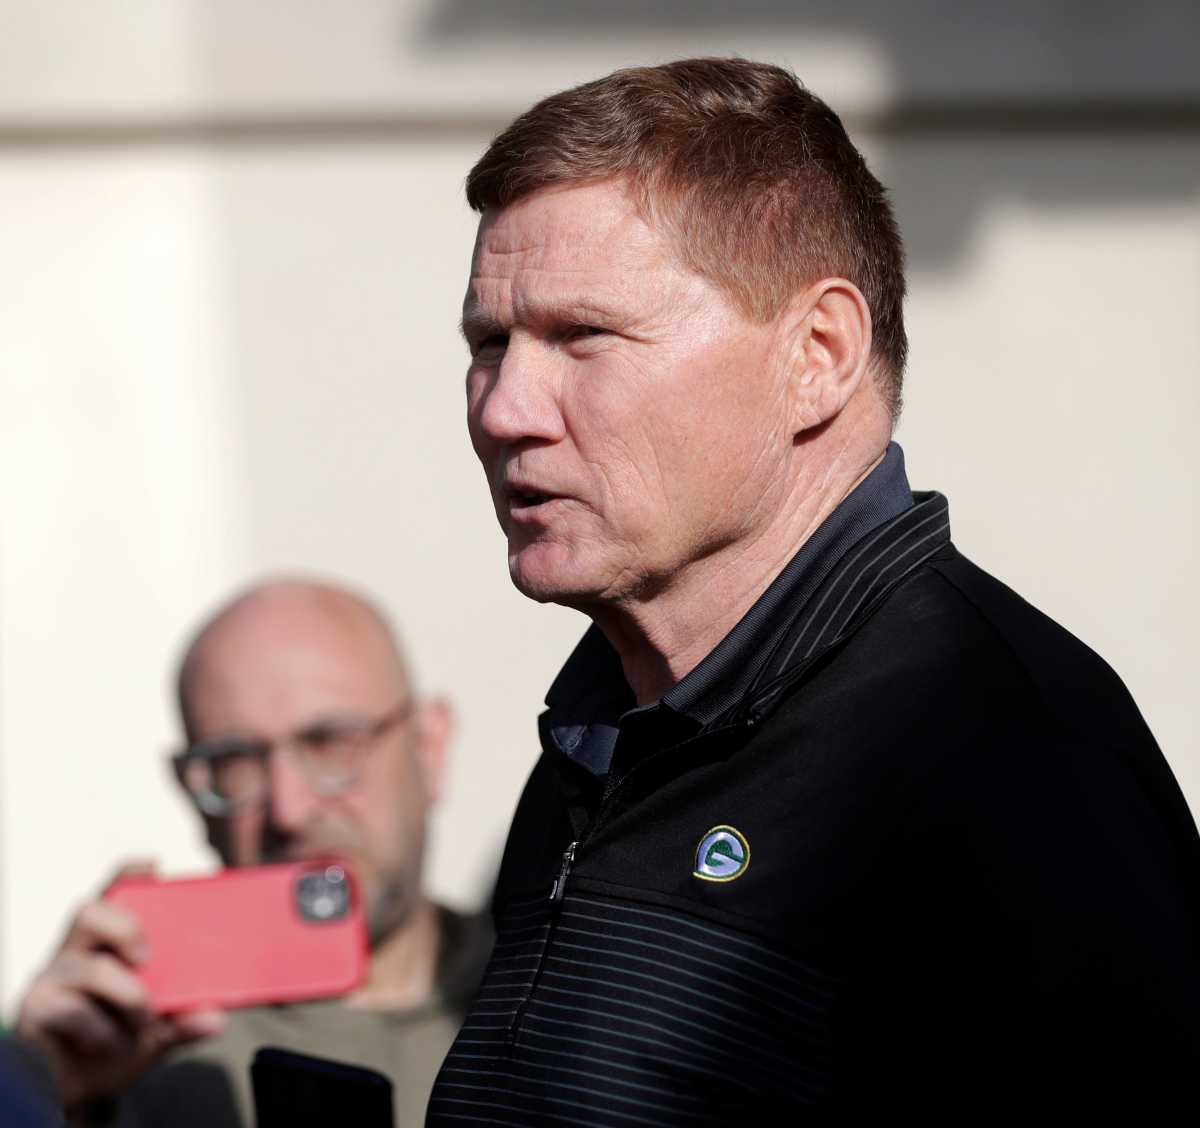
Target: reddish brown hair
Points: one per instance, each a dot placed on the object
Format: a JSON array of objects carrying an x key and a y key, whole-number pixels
[{"x": 755, "y": 177}]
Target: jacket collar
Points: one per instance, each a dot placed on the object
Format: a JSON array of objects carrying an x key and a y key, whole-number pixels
[{"x": 860, "y": 581}]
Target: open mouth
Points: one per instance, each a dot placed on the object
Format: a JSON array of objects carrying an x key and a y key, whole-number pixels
[{"x": 519, "y": 499}]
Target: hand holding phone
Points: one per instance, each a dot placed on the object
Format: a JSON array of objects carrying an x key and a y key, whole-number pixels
[{"x": 90, "y": 1013}]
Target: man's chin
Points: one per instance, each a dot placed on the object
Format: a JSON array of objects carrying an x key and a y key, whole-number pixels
[
  {"x": 549, "y": 577},
  {"x": 389, "y": 906}
]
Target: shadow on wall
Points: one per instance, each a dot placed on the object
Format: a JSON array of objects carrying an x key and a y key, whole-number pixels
[
  {"x": 1046, "y": 103},
  {"x": 1023, "y": 48},
  {"x": 941, "y": 191}
]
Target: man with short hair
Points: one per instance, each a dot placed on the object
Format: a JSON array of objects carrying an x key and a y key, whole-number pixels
[
  {"x": 828, "y": 824},
  {"x": 305, "y": 736}
]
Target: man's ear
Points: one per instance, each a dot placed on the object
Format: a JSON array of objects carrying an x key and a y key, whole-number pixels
[
  {"x": 435, "y": 723},
  {"x": 828, "y": 329}
]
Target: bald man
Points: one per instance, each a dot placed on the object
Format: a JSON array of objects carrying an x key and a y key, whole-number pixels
[{"x": 303, "y": 688}]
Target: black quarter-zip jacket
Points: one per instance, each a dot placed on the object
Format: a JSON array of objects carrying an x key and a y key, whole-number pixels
[{"x": 900, "y": 845}]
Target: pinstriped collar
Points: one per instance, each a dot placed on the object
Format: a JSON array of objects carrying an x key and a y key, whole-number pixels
[{"x": 852, "y": 590}]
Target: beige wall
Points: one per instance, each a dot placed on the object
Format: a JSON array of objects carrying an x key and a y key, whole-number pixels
[{"x": 233, "y": 248}]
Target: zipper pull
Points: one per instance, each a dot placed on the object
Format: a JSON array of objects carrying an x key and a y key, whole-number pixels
[{"x": 560, "y": 882}]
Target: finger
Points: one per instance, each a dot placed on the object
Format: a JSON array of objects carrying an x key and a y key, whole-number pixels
[
  {"x": 110, "y": 982},
  {"x": 100, "y": 924},
  {"x": 133, "y": 867},
  {"x": 99, "y": 980},
  {"x": 84, "y": 1025},
  {"x": 163, "y": 1034},
  {"x": 189, "y": 1026}
]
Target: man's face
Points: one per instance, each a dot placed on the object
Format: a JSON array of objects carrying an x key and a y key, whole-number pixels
[
  {"x": 274, "y": 671},
  {"x": 631, "y": 421}
]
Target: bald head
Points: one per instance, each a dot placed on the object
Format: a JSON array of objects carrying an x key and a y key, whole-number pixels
[{"x": 283, "y": 630}]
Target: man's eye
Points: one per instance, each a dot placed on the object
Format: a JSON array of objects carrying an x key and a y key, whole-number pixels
[
  {"x": 319, "y": 737},
  {"x": 496, "y": 343},
  {"x": 578, "y": 332}
]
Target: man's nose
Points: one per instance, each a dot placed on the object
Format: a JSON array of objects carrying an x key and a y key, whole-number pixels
[
  {"x": 290, "y": 799},
  {"x": 518, "y": 400}
]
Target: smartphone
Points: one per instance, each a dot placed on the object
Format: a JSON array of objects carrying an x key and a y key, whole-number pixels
[
  {"x": 250, "y": 935},
  {"x": 294, "y": 1090}
]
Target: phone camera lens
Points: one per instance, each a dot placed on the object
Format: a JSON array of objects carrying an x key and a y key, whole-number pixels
[{"x": 324, "y": 895}]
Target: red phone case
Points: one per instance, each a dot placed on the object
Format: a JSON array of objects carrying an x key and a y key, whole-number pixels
[{"x": 238, "y": 938}]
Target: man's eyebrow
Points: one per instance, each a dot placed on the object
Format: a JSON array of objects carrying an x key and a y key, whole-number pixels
[
  {"x": 475, "y": 323},
  {"x": 572, "y": 311},
  {"x": 569, "y": 311},
  {"x": 330, "y": 722}
]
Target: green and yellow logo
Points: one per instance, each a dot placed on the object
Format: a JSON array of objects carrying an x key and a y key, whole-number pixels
[{"x": 723, "y": 854}]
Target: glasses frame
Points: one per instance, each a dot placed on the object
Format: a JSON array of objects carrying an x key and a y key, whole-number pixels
[{"x": 216, "y": 806}]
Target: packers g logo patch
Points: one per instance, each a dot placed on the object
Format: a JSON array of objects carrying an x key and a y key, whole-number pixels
[{"x": 723, "y": 855}]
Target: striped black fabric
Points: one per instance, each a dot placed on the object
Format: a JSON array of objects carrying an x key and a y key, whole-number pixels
[
  {"x": 860, "y": 579},
  {"x": 612, "y": 1013}
]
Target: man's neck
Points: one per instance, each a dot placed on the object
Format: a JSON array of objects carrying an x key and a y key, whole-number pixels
[
  {"x": 661, "y": 640},
  {"x": 403, "y": 968}
]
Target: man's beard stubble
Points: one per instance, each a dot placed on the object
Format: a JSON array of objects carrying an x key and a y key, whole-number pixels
[
  {"x": 389, "y": 899},
  {"x": 390, "y": 906}
]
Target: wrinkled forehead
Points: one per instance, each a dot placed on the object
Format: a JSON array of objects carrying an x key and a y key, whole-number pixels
[
  {"x": 586, "y": 234},
  {"x": 562, "y": 217}
]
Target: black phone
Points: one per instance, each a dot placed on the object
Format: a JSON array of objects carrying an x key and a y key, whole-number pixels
[{"x": 294, "y": 1090}]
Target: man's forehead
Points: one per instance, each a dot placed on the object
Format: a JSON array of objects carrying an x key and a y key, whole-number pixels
[
  {"x": 565, "y": 227},
  {"x": 288, "y": 691},
  {"x": 275, "y": 666},
  {"x": 574, "y": 248}
]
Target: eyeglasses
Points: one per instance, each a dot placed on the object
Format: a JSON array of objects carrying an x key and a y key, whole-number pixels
[{"x": 229, "y": 773}]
